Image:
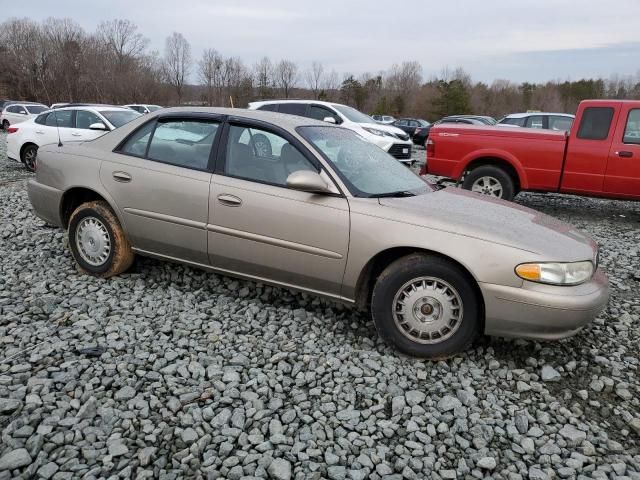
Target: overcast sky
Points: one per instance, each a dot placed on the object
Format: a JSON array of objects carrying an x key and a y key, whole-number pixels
[{"x": 519, "y": 40}]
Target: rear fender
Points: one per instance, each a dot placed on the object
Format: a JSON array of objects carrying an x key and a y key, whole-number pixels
[{"x": 492, "y": 154}]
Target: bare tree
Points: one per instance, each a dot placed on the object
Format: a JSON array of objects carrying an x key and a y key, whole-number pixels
[
  {"x": 177, "y": 62},
  {"x": 210, "y": 74},
  {"x": 122, "y": 39},
  {"x": 314, "y": 78},
  {"x": 264, "y": 77},
  {"x": 286, "y": 76}
]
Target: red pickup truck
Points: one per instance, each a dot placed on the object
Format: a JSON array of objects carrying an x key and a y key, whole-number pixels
[{"x": 600, "y": 156}]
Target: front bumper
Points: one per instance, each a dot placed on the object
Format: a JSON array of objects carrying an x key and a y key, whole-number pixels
[
  {"x": 543, "y": 312},
  {"x": 399, "y": 149},
  {"x": 45, "y": 201}
]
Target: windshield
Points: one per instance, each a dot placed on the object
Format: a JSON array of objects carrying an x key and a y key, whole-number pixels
[
  {"x": 153, "y": 108},
  {"x": 353, "y": 115},
  {"x": 117, "y": 118},
  {"x": 367, "y": 170},
  {"x": 35, "y": 109}
]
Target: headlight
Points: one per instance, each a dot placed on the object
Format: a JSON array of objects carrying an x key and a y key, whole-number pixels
[
  {"x": 375, "y": 131},
  {"x": 556, "y": 273}
]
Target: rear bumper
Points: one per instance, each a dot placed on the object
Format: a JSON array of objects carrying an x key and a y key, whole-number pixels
[
  {"x": 46, "y": 202},
  {"x": 543, "y": 312}
]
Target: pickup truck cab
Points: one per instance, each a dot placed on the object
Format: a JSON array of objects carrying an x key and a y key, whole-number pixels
[{"x": 599, "y": 157}]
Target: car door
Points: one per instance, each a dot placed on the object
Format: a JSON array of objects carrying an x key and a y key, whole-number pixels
[
  {"x": 58, "y": 125},
  {"x": 159, "y": 178},
  {"x": 320, "y": 112},
  {"x": 15, "y": 114},
  {"x": 623, "y": 168},
  {"x": 260, "y": 228}
]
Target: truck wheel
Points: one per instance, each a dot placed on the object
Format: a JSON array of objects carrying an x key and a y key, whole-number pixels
[
  {"x": 98, "y": 243},
  {"x": 490, "y": 180},
  {"x": 425, "y": 306}
]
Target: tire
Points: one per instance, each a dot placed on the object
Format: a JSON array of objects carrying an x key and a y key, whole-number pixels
[
  {"x": 97, "y": 242},
  {"x": 490, "y": 180},
  {"x": 449, "y": 323},
  {"x": 5, "y": 124},
  {"x": 28, "y": 156}
]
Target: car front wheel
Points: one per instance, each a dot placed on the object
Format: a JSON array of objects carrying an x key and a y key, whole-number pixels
[
  {"x": 426, "y": 307},
  {"x": 97, "y": 242}
]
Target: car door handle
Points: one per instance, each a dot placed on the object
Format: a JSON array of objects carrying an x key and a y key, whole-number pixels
[
  {"x": 121, "y": 177},
  {"x": 229, "y": 200},
  {"x": 625, "y": 154},
  {"x": 75, "y": 134},
  {"x": 40, "y": 132}
]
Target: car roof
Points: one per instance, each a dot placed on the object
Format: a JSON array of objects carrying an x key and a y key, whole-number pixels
[
  {"x": 282, "y": 119},
  {"x": 97, "y": 108},
  {"x": 307, "y": 101},
  {"x": 26, "y": 104},
  {"x": 528, "y": 114}
]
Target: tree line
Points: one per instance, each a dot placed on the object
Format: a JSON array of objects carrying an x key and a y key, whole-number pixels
[{"x": 58, "y": 61}]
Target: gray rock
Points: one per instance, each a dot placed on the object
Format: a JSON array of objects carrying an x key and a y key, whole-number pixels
[
  {"x": 8, "y": 405},
  {"x": 573, "y": 435},
  {"x": 125, "y": 393},
  {"x": 280, "y": 469},
  {"x": 550, "y": 374},
  {"x": 486, "y": 463},
  {"x": 448, "y": 403},
  {"x": 15, "y": 459}
]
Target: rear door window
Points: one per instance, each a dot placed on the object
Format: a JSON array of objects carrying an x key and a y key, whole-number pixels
[
  {"x": 535, "y": 121},
  {"x": 595, "y": 123},
  {"x": 560, "y": 123},
  {"x": 60, "y": 118},
  {"x": 271, "y": 107},
  {"x": 632, "y": 129},
  {"x": 293, "y": 108},
  {"x": 184, "y": 143}
]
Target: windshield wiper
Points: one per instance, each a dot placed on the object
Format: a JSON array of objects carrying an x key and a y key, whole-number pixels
[{"x": 399, "y": 193}]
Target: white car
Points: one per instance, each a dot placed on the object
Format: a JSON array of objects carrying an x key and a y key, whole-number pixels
[
  {"x": 66, "y": 124},
  {"x": 20, "y": 112},
  {"x": 391, "y": 139},
  {"x": 540, "y": 120},
  {"x": 143, "y": 108},
  {"x": 386, "y": 119}
]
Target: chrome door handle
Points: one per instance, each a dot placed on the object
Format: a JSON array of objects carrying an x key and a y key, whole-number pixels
[
  {"x": 40, "y": 132},
  {"x": 229, "y": 200},
  {"x": 121, "y": 177},
  {"x": 74, "y": 134}
]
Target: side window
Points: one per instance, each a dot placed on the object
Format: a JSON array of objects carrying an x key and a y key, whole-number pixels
[
  {"x": 41, "y": 119},
  {"x": 632, "y": 129},
  {"x": 560, "y": 123},
  {"x": 320, "y": 113},
  {"x": 84, "y": 119},
  {"x": 401, "y": 123},
  {"x": 12, "y": 109},
  {"x": 271, "y": 107},
  {"x": 262, "y": 156},
  {"x": 595, "y": 123},
  {"x": 293, "y": 108},
  {"x": 184, "y": 143},
  {"x": 60, "y": 118},
  {"x": 137, "y": 142},
  {"x": 535, "y": 121}
]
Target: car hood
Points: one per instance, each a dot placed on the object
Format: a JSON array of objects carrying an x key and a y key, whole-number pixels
[
  {"x": 383, "y": 127},
  {"x": 480, "y": 216}
]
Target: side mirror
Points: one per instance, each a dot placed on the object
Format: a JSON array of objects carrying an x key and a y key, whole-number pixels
[
  {"x": 307, "y": 181},
  {"x": 98, "y": 126},
  {"x": 22, "y": 112},
  {"x": 329, "y": 120}
]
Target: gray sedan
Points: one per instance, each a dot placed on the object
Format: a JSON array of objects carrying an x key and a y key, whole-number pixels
[{"x": 301, "y": 204}]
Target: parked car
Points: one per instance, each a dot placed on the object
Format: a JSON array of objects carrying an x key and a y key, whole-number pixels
[
  {"x": 410, "y": 125},
  {"x": 65, "y": 124},
  {"x": 13, "y": 113},
  {"x": 598, "y": 158},
  {"x": 322, "y": 211},
  {"x": 422, "y": 133},
  {"x": 143, "y": 108},
  {"x": 391, "y": 139},
  {"x": 385, "y": 119},
  {"x": 541, "y": 120}
]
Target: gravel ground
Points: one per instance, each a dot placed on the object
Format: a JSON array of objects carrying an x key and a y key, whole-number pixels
[{"x": 170, "y": 372}]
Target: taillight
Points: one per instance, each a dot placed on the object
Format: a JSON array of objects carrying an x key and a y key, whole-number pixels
[
  {"x": 430, "y": 145},
  {"x": 12, "y": 129}
]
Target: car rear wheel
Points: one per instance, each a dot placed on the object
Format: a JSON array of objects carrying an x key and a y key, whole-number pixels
[
  {"x": 490, "y": 180},
  {"x": 29, "y": 154},
  {"x": 425, "y": 306},
  {"x": 98, "y": 243}
]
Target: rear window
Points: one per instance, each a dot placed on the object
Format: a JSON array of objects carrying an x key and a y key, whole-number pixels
[{"x": 595, "y": 123}]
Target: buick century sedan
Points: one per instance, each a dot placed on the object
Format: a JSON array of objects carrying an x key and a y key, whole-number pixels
[{"x": 302, "y": 204}]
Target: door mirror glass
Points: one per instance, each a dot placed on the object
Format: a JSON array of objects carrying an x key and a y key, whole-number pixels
[
  {"x": 22, "y": 112},
  {"x": 329, "y": 120},
  {"x": 307, "y": 181},
  {"x": 98, "y": 126}
]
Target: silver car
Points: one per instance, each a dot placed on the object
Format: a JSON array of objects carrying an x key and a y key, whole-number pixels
[{"x": 299, "y": 203}]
